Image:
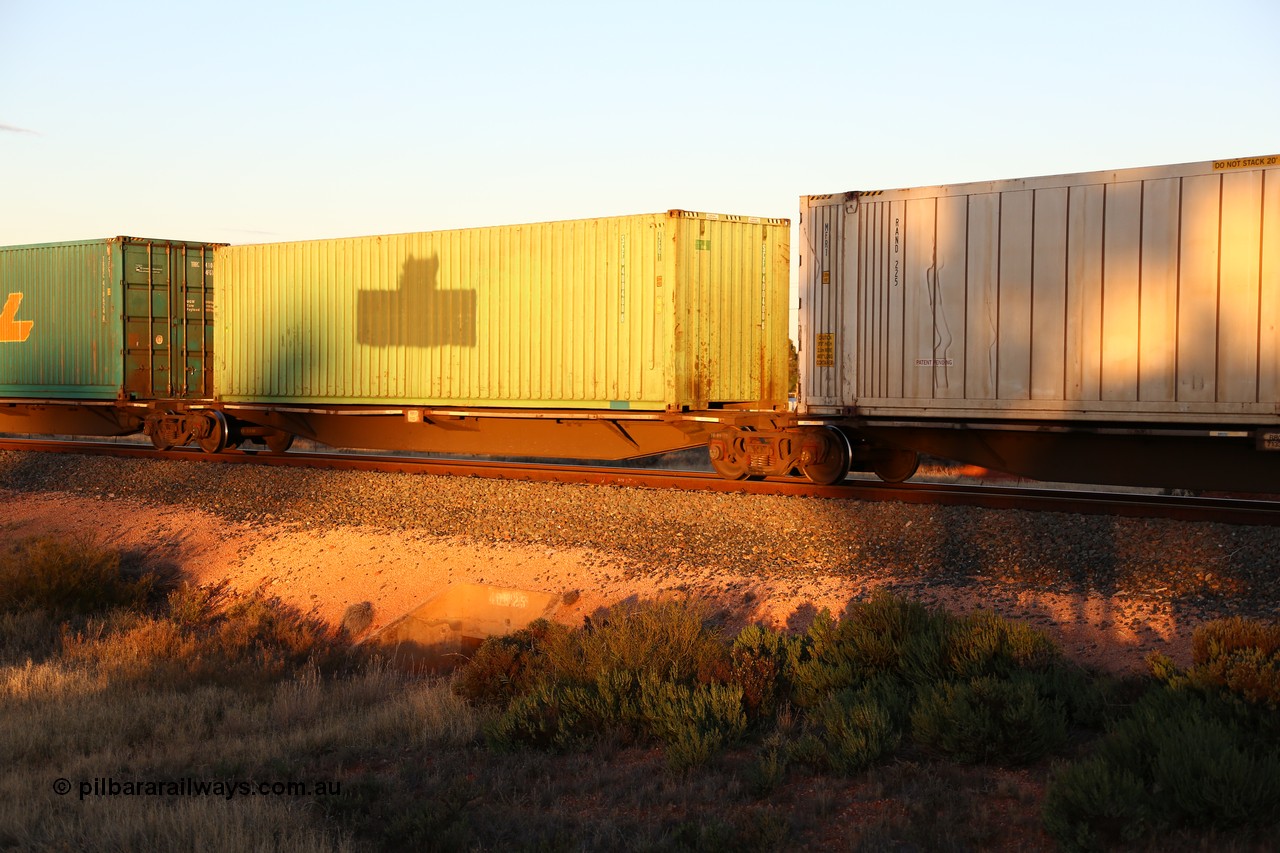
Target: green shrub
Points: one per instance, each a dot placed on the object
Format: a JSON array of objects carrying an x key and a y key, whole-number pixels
[
  {"x": 945, "y": 647},
  {"x": 648, "y": 670},
  {"x": 882, "y": 625},
  {"x": 1223, "y": 637},
  {"x": 1084, "y": 696},
  {"x": 1095, "y": 803},
  {"x": 989, "y": 720},
  {"x": 1240, "y": 656},
  {"x": 888, "y": 636},
  {"x": 69, "y": 576},
  {"x": 1215, "y": 773},
  {"x": 548, "y": 715},
  {"x": 821, "y": 663},
  {"x": 883, "y": 635},
  {"x": 760, "y": 660},
  {"x": 854, "y": 728},
  {"x": 1182, "y": 758},
  {"x": 694, "y": 721},
  {"x": 508, "y": 666},
  {"x": 560, "y": 715},
  {"x": 769, "y": 769},
  {"x": 987, "y": 644},
  {"x": 672, "y": 639},
  {"x": 617, "y": 703}
]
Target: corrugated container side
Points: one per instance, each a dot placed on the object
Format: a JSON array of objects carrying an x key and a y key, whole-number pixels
[
  {"x": 99, "y": 319},
  {"x": 733, "y": 279},
  {"x": 1140, "y": 293},
  {"x": 60, "y": 330},
  {"x": 578, "y": 314}
]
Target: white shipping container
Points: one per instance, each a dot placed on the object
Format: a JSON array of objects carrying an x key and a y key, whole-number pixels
[{"x": 1147, "y": 294}]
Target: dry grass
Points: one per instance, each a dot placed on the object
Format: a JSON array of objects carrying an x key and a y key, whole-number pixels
[
  {"x": 197, "y": 684},
  {"x": 67, "y": 721},
  {"x": 65, "y": 576},
  {"x": 125, "y": 686},
  {"x": 203, "y": 823}
]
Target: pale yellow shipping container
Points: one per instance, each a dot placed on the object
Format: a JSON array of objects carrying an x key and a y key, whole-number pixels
[{"x": 668, "y": 311}]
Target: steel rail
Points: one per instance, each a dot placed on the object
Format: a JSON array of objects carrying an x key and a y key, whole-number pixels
[{"x": 1084, "y": 501}]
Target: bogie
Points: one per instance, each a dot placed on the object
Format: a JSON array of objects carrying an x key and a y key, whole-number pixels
[{"x": 820, "y": 454}]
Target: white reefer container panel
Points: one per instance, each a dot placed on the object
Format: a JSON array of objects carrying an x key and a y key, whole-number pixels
[{"x": 1146, "y": 294}]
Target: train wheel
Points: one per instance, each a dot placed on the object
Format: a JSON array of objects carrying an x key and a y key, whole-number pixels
[
  {"x": 895, "y": 466},
  {"x": 161, "y": 442},
  {"x": 734, "y": 468},
  {"x": 727, "y": 458},
  {"x": 835, "y": 462},
  {"x": 278, "y": 442},
  {"x": 216, "y": 440}
]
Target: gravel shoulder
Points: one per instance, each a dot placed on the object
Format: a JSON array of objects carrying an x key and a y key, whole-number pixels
[{"x": 1110, "y": 590}]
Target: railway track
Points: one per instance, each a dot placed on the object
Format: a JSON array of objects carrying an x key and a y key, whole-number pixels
[{"x": 1227, "y": 510}]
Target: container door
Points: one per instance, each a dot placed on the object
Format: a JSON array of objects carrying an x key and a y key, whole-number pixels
[
  {"x": 168, "y": 319},
  {"x": 828, "y": 297},
  {"x": 196, "y": 293}
]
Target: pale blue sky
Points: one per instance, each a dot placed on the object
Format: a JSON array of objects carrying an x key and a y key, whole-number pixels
[{"x": 259, "y": 121}]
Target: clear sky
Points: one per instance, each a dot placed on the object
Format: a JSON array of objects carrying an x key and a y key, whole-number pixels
[{"x": 261, "y": 121}]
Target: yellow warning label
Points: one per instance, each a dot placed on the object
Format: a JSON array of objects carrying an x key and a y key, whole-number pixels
[
  {"x": 1246, "y": 163},
  {"x": 826, "y": 276},
  {"x": 13, "y": 330},
  {"x": 825, "y": 353}
]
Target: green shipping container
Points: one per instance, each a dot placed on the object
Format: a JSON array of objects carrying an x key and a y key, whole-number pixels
[
  {"x": 665, "y": 311},
  {"x": 120, "y": 318}
]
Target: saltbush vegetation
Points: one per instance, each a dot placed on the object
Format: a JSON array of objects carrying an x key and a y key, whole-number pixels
[
  {"x": 104, "y": 665},
  {"x": 660, "y": 671},
  {"x": 976, "y": 688},
  {"x": 1198, "y": 751}
]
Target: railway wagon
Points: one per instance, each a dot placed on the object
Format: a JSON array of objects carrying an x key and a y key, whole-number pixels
[
  {"x": 105, "y": 337},
  {"x": 600, "y": 339},
  {"x": 1111, "y": 327}
]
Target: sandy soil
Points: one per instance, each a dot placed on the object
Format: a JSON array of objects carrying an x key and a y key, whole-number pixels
[{"x": 322, "y": 572}]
